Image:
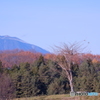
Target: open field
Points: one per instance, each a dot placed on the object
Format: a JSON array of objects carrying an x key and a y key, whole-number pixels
[{"x": 61, "y": 97}]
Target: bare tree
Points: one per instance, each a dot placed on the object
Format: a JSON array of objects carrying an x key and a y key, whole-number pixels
[
  {"x": 67, "y": 55},
  {"x": 6, "y": 88}
]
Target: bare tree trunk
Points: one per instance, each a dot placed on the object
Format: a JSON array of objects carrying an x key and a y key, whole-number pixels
[
  {"x": 71, "y": 82},
  {"x": 70, "y": 78},
  {"x": 69, "y": 75},
  {"x": 71, "y": 85}
]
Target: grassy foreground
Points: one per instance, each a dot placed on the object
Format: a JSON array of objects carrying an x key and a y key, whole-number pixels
[{"x": 61, "y": 97}]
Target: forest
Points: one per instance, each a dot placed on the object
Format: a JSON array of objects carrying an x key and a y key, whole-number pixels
[{"x": 27, "y": 74}]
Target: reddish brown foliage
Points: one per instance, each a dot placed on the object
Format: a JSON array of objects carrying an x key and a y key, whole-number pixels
[
  {"x": 50, "y": 56},
  {"x": 10, "y": 58},
  {"x": 94, "y": 58}
]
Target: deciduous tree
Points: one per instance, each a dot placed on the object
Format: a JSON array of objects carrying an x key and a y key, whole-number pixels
[{"x": 67, "y": 56}]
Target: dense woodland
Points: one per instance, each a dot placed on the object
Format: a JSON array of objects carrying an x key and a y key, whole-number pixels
[{"x": 26, "y": 74}]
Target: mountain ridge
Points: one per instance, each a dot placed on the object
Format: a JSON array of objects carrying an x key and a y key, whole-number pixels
[{"x": 11, "y": 43}]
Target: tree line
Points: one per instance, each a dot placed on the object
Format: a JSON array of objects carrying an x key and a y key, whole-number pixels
[
  {"x": 45, "y": 77},
  {"x": 49, "y": 74}
]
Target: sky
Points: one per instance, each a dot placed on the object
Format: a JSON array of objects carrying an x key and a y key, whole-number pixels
[{"x": 47, "y": 23}]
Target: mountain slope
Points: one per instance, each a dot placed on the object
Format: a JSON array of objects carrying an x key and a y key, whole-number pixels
[{"x": 11, "y": 43}]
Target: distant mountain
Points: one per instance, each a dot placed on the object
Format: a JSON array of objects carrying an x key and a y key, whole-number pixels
[{"x": 11, "y": 43}]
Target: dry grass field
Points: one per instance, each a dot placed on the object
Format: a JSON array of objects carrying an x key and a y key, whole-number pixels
[{"x": 61, "y": 97}]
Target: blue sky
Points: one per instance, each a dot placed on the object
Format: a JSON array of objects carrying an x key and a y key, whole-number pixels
[{"x": 46, "y": 23}]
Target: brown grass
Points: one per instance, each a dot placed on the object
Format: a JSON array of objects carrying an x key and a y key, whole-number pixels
[{"x": 61, "y": 97}]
